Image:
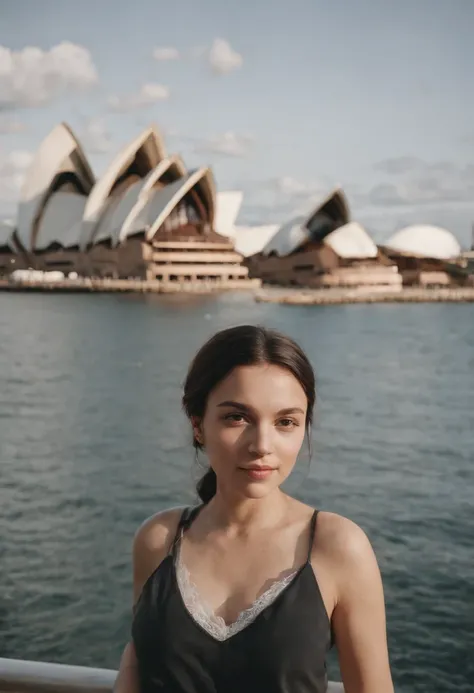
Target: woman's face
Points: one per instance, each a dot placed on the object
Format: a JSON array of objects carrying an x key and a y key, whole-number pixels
[{"x": 253, "y": 429}]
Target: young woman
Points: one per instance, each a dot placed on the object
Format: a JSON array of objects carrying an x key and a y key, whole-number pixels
[{"x": 248, "y": 590}]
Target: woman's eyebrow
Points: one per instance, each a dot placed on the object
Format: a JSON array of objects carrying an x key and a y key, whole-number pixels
[
  {"x": 236, "y": 405},
  {"x": 245, "y": 407},
  {"x": 291, "y": 410}
]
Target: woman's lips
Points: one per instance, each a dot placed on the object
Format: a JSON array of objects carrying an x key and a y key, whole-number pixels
[{"x": 259, "y": 473}]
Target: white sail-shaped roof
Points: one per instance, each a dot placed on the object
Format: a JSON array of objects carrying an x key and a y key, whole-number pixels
[
  {"x": 120, "y": 216},
  {"x": 333, "y": 207},
  {"x": 162, "y": 202},
  {"x": 332, "y": 211},
  {"x": 117, "y": 211},
  {"x": 61, "y": 221},
  {"x": 167, "y": 199},
  {"x": 60, "y": 162},
  {"x": 143, "y": 154},
  {"x": 425, "y": 241},
  {"x": 288, "y": 237},
  {"x": 249, "y": 240},
  {"x": 228, "y": 204},
  {"x": 351, "y": 241}
]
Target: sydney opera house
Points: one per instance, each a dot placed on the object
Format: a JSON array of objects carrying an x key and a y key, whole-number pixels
[
  {"x": 327, "y": 249},
  {"x": 149, "y": 218},
  {"x": 427, "y": 256}
]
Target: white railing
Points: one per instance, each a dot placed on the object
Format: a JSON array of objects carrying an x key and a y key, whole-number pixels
[{"x": 21, "y": 676}]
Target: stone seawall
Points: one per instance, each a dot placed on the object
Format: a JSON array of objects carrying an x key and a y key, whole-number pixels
[
  {"x": 333, "y": 296},
  {"x": 128, "y": 286},
  {"x": 324, "y": 297}
]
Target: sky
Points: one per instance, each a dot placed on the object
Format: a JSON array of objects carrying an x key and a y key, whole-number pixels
[{"x": 283, "y": 99}]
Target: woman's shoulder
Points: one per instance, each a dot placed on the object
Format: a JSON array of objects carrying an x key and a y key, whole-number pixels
[
  {"x": 158, "y": 529},
  {"x": 342, "y": 542},
  {"x": 340, "y": 539},
  {"x": 151, "y": 544}
]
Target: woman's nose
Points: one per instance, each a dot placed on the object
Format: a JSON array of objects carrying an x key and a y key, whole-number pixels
[{"x": 260, "y": 443}]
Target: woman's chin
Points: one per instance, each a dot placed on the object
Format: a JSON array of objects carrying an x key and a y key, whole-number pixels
[{"x": 257, "y": 489}]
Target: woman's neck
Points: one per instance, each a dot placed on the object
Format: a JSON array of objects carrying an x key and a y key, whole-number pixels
[{"x": 239, "y": 516}]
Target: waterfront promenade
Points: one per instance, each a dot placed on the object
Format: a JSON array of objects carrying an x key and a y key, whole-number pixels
[
  {"x": 262, "y": 294},
  {"x": 340, "y": 296},
  {"x": 138, "y": 286}
]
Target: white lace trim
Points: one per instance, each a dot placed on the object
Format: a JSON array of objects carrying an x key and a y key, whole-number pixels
[{"x": 213, "y": 624}]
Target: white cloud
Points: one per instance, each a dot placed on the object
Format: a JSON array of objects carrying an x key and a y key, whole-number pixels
[
  {"x": 293, "y": 187},
  {"x": 147, "y": 96},
  {"x": 228, "y": 144},
  {"x": 300, "y": 193},
  {"x": 96, "y": 137},
  {"x": 11, "y": 127},
  {"x": 277, "y": 200},
  {"x": 32, "y": 76},
  {"x": 166, "y": 53},
  {"x": 13, "y": 167},
  {"x": 223, "y": 58},
  {"x": 399, "y": 165},
  {"x": 421, "y": 183}
]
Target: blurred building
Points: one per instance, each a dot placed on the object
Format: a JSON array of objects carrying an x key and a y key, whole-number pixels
[
  {"x": 52, "y": 202},
  {"x": 147, "y": 217},
  {"x": 248, "y": 240},
  {"x": 467, "y": 259},
  {"x": 324, "y": 249},
  {"x": 10, "y": 258},
  {"x": 427, "y": 256}
]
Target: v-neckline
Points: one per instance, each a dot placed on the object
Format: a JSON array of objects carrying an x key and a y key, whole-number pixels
[
  {"x": 174, "y": 554},
  {"x": 191, "y": 617}
]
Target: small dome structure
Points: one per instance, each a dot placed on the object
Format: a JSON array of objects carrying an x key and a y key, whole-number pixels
[{"x": 425, "y": 241}]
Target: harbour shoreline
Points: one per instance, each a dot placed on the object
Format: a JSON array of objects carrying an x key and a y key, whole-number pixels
[
  {"x": 342, "y": 296},
  {"x": 266, "y": 294},
  {"x": 90, "y": 285}
]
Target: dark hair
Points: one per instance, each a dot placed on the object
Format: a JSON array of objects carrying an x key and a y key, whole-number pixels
[{"x": 245, "y": 345}]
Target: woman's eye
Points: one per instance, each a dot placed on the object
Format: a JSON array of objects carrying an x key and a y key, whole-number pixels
[
  {"x": 236, "y": 418},
  {"x": 287, "y": 423}
]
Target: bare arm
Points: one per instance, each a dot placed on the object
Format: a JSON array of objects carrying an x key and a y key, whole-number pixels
[
  {"x": 127, "y": 677},
  {"x": 150, "y": 546},
  {"x": 359, "y": 615}
]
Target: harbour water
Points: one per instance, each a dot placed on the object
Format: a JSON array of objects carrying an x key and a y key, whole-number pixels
[{"x": 92, "y": 441}]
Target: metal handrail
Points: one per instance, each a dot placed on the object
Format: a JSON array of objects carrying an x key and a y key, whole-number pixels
[{"x": 23, "y": 676}]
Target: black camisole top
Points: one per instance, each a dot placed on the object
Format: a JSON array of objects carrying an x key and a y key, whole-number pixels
[{"x": 282, "y": 651}]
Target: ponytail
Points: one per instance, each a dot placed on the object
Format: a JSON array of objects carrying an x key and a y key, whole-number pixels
[{"x": 206, "y": 487}]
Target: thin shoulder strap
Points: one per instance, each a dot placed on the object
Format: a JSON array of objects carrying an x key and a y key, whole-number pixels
[
  {"x": 187, "y": 516},
  {"x": 312, "y": 532},
  {"x": 183, "y": 521}
]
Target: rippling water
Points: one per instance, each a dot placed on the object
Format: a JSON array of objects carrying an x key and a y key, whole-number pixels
[{"x": 92, "y": 441}]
